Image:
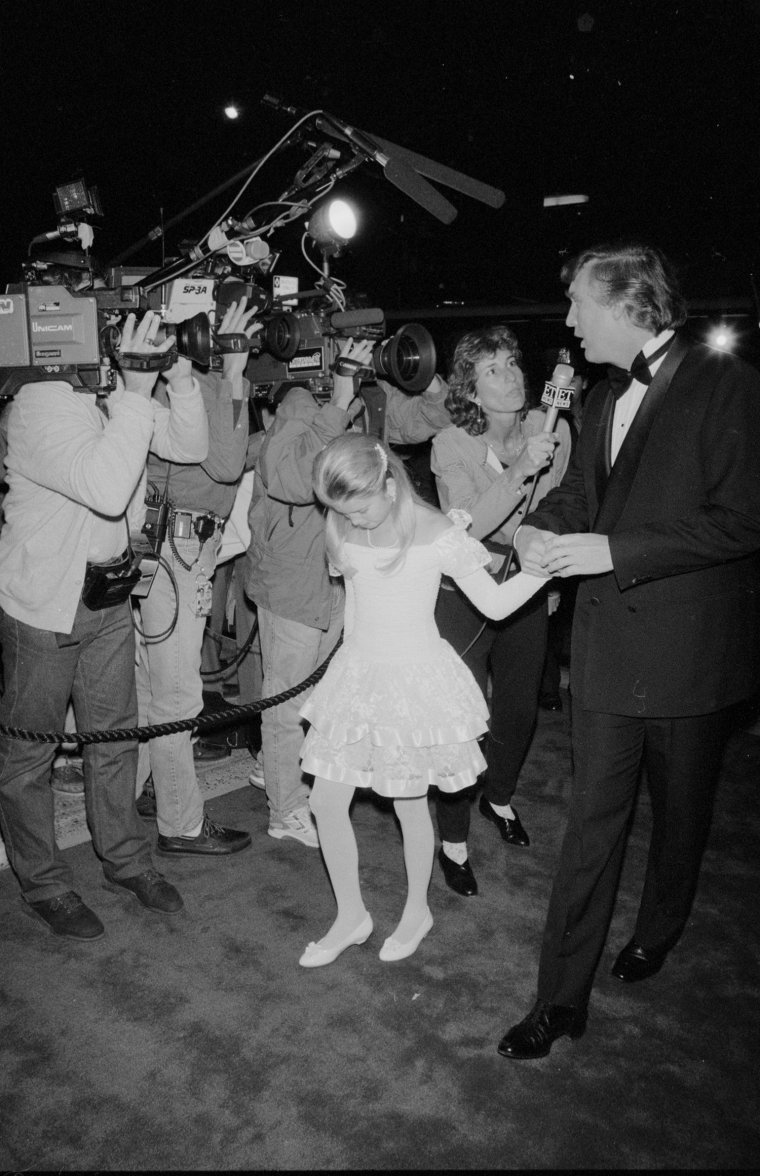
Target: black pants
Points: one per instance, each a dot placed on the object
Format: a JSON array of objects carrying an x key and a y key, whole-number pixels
[
  {"x": 682, "y": 757},
  {"x": 514, "y": 651}
]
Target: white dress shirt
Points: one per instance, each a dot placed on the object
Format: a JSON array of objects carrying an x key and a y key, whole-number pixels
[{"x": 630, "y": 402}]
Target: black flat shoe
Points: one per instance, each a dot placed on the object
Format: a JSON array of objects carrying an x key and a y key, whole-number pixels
[
  {"x": 635, "y": 963},
  {"x": 511, "y": 829},
  {"x": 460, "y": 879}
]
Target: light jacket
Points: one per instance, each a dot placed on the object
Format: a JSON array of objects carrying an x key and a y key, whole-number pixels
[{"x": 286, "y": 565}]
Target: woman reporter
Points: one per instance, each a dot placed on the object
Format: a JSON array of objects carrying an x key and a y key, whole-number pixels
[{"x": 485, "y": 464}]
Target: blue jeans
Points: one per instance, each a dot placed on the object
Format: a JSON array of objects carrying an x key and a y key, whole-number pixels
[
  {"x": 290, "y": 652},
  {"x": 93, "y": 665},
  {"x": 169, "y": 684}
]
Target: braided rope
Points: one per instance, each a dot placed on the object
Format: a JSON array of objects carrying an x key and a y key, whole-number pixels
[{"x": 218, "y": 718}]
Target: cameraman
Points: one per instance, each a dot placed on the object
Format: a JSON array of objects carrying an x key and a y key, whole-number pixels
[
  {"x": 76, "y": 488},
  {"x": 169, "y": 683},
  {"x": 300, "y": 609}
]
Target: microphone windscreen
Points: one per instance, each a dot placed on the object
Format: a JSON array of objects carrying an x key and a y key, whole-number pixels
[{"x": 367, "y": 315}]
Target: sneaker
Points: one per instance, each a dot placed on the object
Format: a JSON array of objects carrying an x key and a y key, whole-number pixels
[
  {"x": 67, "y": 915},
  {"x": 67, "y": 778},
  {"x": 299, "y": 825},
  {"x": 256, "y": 777}
]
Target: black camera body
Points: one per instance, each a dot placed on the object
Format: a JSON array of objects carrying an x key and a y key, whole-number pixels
[{"x": 301, "y": 347}]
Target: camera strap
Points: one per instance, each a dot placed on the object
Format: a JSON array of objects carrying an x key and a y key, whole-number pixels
[
  {"x": 231, "y": 344},
  {"x": 344, "y": 366},
  {"x": 131, "y": 362}
]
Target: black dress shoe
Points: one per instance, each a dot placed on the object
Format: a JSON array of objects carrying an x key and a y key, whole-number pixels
[
  {"x": 67, "y": 915},
  {"x": 550, "y": 702},
  {"x": 212, "y": 839},
  {"x": 535, "y": 1035},
  {"x": 634, "y": 963},
  {"x": 152, "y": 889},
  {"x": 510, "y": 828},
  {"x": 459, "y": 878}
]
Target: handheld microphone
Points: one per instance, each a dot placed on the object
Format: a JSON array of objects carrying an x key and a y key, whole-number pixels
[{"x": 558, "y": 392}]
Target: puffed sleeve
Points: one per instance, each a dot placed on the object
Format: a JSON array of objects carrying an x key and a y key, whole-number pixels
[
  {"x": 464, "y": 559},
  {"x": 459, "y": 553}
]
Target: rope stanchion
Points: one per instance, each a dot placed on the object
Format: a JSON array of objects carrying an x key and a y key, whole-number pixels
[{"x": 219, "y": 718}]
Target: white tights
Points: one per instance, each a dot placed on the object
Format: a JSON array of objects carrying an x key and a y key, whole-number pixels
[{"x": 330, "y": 804}]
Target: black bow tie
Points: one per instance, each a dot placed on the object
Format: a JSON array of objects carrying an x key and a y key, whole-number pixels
[{"x": 620, "y": 380}]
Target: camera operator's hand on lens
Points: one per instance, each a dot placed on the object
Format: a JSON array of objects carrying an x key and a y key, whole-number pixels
[
  {"x": 140, "y": 339},
  {"x": 536, "y": 453},
  {"x": 237, "y": 321},
  {"x": 344, "y": 386}
]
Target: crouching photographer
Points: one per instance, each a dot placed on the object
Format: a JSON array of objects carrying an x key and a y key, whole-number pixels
[
  {"x": 198, "y": 498},
  {"x": 76, "y": 474}
]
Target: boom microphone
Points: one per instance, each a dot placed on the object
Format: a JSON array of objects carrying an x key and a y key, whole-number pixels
[{"x": 342, "y": 319}]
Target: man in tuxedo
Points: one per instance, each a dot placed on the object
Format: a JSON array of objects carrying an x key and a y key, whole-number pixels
[{"x": 659, "y": 516}]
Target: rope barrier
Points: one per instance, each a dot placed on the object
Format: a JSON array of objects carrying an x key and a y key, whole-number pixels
[{"x": 219, "y": 718}]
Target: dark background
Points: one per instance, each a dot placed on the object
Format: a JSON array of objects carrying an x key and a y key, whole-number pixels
[{"x": 648, "y": 106}]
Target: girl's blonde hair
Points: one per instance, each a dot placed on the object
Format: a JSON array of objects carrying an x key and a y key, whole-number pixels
[{"x": 356, "y": 466}]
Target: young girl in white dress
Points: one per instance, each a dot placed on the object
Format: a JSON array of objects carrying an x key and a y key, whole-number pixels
[{"x": 397, "y": 710}]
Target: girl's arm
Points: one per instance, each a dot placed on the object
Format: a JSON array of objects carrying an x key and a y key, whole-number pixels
[{"x": 497, "y": 601}]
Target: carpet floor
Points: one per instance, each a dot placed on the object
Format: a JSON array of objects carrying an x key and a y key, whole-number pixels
[{"x": 196, "y": 1042}]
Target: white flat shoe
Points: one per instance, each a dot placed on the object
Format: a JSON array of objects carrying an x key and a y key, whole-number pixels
[
  {"x": 392, "y": 949},
  {"x": 316, "y": 956}
]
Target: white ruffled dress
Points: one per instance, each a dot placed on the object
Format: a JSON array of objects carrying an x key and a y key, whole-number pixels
[{"x": 397, "y": 709}]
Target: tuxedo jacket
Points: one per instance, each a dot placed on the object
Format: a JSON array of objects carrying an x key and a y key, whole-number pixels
[{"x": 674, "y": 629}]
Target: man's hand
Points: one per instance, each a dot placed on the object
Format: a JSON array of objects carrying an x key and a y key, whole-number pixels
[
  {"x": 577, "y": 555},
  {"x": 140, "y": 339},
  {"x": 237, "y": 321},
  {"x": 530, "y": 545},
  {"x": 343, "y": 386}
]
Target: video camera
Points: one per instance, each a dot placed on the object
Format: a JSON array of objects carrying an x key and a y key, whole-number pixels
[
  {"x": 64, "y": 320},
  {"x": 302, "y": 347}
]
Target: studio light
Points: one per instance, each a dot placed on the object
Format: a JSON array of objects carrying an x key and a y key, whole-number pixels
[
  {"x": 722, "y": 337},
  {"x": 332, "y": 226}
]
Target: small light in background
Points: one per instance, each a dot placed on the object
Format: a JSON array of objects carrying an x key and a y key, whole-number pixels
[
  {"x": 722, "y": 338},
  {"x": 232, "y": 111},
  {"x": 555, "y": 201}
]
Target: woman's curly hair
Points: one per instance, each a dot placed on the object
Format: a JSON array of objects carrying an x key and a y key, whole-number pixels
[{"x": 469, "y": 351}]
